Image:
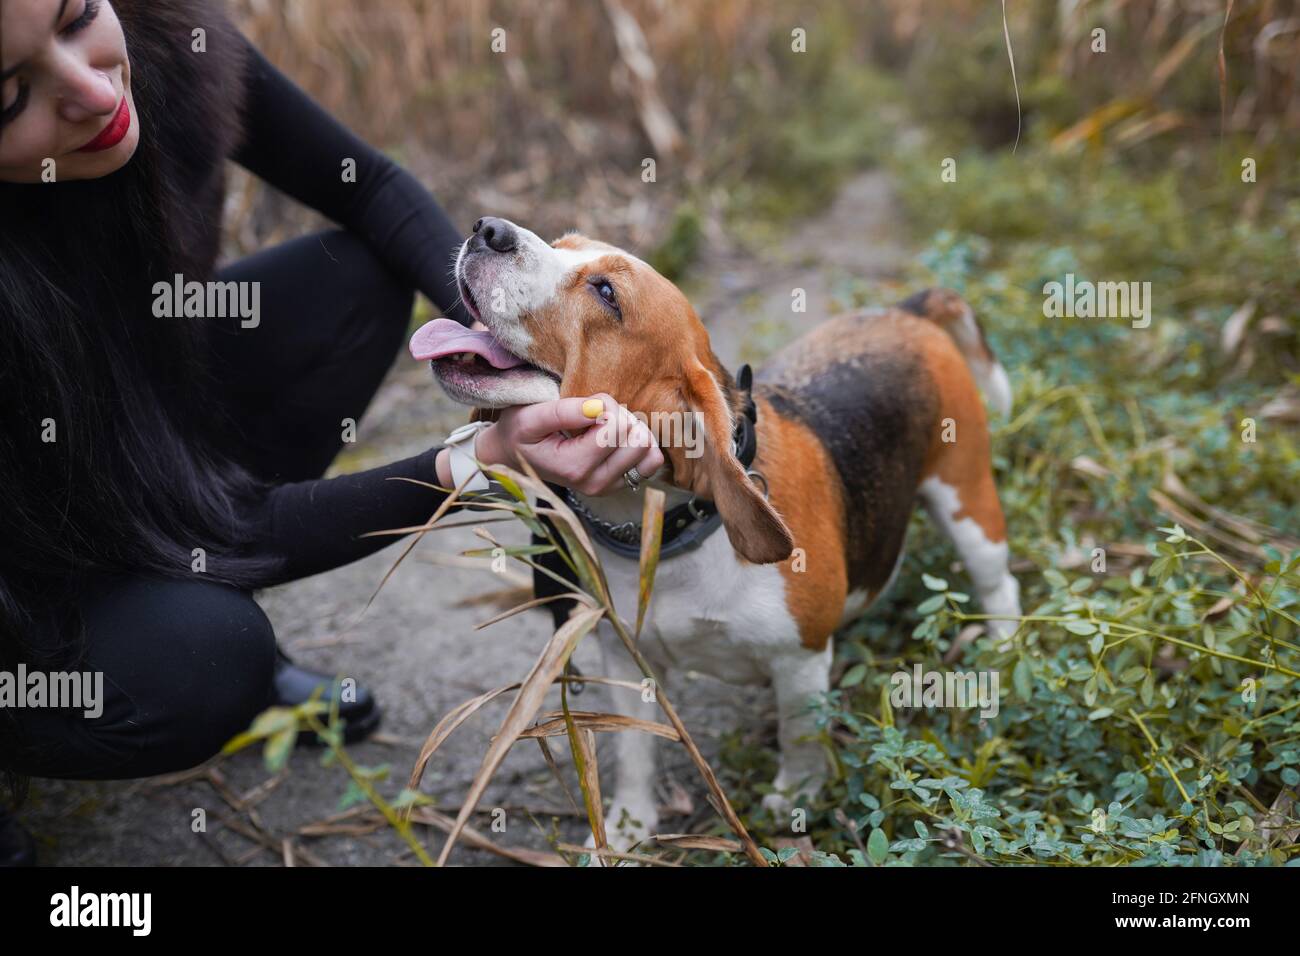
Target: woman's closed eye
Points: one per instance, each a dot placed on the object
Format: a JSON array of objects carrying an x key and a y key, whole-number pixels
[
  {"x": 89, "y": 11},
  {"x": 13, "y": 103},
  {"x": 14, "y": 107}
]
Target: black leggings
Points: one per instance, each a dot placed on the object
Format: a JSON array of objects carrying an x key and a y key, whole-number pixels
[{"x": 188, "y": 664}]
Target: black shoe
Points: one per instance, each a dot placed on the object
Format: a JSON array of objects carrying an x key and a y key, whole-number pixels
[
  {"x": 293, "y": 685},
  {"x": 17, "y": 848}
]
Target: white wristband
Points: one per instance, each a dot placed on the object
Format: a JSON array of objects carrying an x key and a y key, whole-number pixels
[{"x": 462, "y": 459}]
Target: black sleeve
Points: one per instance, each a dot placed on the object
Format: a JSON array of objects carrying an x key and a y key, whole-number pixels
[
  {"x": 314, "y": 526},
  {"x": 297, "y": 147}
]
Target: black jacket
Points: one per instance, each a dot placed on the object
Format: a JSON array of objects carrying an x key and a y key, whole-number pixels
[
  {"x": 230, "y": 102},
  {"x": 133, "y": 482}
]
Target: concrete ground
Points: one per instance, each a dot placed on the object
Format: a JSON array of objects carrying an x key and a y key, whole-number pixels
[{"x": 416, "y": 648}]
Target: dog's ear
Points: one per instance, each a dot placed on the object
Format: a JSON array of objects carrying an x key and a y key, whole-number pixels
[
  {"x": 754, "y": 527},
  {"x": 485, "y": 414}
]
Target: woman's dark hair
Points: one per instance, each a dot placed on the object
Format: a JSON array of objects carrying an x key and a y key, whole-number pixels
[{"x": 107, "y": 447}]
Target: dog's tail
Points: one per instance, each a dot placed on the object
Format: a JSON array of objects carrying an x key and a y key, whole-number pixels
[{"x": 949, "y": 311}]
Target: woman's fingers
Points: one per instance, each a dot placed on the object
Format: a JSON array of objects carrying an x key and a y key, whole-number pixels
[
  {"x": 592, "y": 462},
  {"x": 633, "y": 446},
  {"x": 534, "y": 423},
  {"x": 608, "y": 475},
  {"x": 650, "y": 462}
]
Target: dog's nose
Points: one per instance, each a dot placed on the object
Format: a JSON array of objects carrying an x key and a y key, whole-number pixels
[{"x": 497, "y": 234}]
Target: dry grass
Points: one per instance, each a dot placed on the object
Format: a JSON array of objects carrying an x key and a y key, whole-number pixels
[
  {"x": 554, "y": 132},
  {"x": 532, "y": 501}
]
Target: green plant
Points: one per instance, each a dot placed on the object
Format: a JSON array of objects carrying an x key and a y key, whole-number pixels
[{"x": 1146, "y": 723}]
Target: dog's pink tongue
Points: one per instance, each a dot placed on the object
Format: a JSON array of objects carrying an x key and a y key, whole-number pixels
[{"x": 444, "y": 337}]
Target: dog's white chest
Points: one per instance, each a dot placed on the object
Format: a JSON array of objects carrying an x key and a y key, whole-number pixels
[{"x": 711, "y": 612}]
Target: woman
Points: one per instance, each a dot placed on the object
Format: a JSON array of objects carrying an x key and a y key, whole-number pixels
[{"x": 154, "y": 470}]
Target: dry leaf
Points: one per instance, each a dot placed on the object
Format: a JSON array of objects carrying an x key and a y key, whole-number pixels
[
  {"x": 698, "y": 841},
  {"x": 526, "y": 704}
]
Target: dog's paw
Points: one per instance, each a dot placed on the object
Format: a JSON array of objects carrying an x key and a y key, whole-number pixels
[
  {"x": 779, "y": 805},
  {"x": 787, "y": 799}
]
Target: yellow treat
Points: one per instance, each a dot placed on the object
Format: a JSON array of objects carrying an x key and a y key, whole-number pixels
[{"x": 592, "y": 407}]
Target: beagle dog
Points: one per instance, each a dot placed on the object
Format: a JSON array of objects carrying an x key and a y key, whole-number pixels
[{"x": 853, "y": 423}]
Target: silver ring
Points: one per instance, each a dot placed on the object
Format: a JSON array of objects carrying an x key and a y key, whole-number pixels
[{"x": 633, "y": 479}]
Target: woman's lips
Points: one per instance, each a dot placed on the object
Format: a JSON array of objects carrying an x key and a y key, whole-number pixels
[{"x": 113, "y": 133}]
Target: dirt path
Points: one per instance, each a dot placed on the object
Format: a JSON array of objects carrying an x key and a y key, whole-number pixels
[{"x": 416, "y": 646}]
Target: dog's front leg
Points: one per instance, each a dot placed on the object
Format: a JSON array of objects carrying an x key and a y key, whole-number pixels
[
  {"x": 634, "y": 813},
  {"x": 798, "y": 679}
]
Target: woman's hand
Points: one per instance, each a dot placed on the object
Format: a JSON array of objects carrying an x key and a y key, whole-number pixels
[{"x": 604, "y": 441}]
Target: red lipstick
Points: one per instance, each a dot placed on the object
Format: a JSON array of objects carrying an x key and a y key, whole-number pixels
[{"x": 113, "y": 133}]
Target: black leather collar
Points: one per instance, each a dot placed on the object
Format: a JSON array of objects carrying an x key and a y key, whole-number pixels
[{"x": 687, "y": 525}]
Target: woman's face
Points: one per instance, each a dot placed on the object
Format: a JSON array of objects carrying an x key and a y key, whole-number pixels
[{"x": 66, "y": 110}]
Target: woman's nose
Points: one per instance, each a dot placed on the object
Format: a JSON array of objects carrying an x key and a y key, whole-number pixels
[{"x": 87, "y": 93}]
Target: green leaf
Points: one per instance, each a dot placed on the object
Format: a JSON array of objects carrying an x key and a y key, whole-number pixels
[
  {"x": 352, "y": 796},
  {"x": 267, "y": 724},
  {"x": 854, "y": 675},
  {"x": 1023, "y": 679},
  {"x": 513, "y": 551},
  {"x": 278, "y": 748},
  {"x": 411, "y": 798},
  {"x": 508, "y": 484},
  {"x": 933, "y": 583},
  {"x": 1148, "y": 691},
  {"x": 878, "y": 846},
  {"x": 1083, "y": 628},
  {"x": 931, "y": 604}
]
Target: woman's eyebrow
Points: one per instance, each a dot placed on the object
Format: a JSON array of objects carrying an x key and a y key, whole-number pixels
[{"x": 63, "y": 5}]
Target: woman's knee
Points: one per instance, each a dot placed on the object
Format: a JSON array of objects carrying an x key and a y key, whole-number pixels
[
  {"x": 190, "y": 665},
  {"x": 375, "y": 295}
]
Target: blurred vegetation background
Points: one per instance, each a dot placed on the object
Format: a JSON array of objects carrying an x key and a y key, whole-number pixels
[
  {"x": 1124, "y": 165},
  {"x": 557, "y": 126}
]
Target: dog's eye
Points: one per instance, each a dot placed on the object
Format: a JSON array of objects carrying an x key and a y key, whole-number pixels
[{"x": 606, "y": 292}]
